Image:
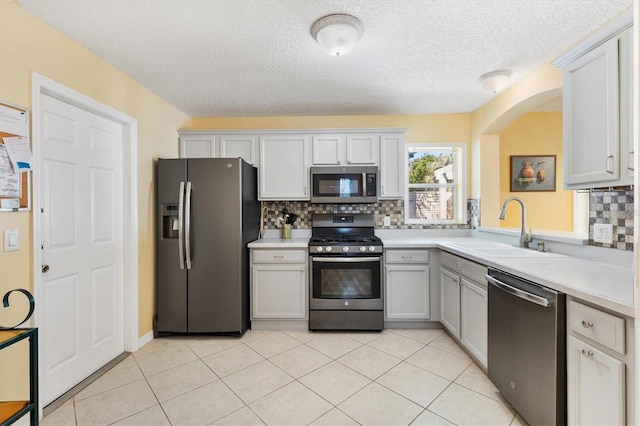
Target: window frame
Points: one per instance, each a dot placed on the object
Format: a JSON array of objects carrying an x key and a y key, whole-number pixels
[{"x": 459, "y": 185}]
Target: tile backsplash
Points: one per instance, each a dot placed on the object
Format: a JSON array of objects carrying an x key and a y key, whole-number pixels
[
  {"x": 392, "y": 208},
  {"x": 615, "y": 208}
]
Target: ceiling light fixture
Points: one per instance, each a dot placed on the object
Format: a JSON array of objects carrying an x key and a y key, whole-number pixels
[
  {"x": 337, "y": 34},
  {"x": 495, "y": 81}
]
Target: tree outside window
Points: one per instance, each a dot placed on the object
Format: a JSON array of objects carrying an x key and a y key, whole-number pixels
[{"x": 434, "y": 183}]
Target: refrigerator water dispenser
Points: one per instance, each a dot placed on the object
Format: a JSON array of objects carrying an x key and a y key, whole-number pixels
[{"x": 170, "y": 221}]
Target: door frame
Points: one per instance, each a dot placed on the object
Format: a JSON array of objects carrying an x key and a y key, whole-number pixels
[{"x": 41, "y": 85}]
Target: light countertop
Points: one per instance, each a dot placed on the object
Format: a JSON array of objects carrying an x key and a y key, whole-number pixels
[
  {"x": 280, "y": 243},
  {"x": 609, "y": 286}
]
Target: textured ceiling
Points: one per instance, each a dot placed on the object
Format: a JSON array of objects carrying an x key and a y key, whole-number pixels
[{"x": 257, "y": 57}]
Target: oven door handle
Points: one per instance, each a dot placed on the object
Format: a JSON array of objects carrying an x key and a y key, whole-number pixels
[
  {"x": 534, "y": 298},
  {"x": 345, "y": 259}
]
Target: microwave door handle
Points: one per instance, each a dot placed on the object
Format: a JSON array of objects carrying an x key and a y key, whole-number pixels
[{"x": 364, "y": 184}]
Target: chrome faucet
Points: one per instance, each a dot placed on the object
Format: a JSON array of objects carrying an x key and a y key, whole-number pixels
[{"x": 525, "y": 237}]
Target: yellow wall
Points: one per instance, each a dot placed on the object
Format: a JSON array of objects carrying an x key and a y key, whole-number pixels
[
  {"x": 492, "y": 118},
  {"x": 27, "y": 44},
  {"x": 421, "y": 128},
  {"x": 536, "y": 133}
]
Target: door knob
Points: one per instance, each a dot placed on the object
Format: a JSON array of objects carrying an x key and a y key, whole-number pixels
[{"x": 45, "y": 269}]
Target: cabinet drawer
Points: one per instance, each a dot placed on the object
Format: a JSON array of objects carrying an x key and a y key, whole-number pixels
[
  {"x": 599, "y": 326},
  {"x": 407, "y": 256},
  {"x": 473, "y": 270},
  {"x": 279, "y": 256}
]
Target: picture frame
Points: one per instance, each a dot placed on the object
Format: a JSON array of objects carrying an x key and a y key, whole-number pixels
[{"x": 532, "y": 173}]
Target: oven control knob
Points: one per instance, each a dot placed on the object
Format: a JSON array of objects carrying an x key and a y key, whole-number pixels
[
  {"x": 345, "y": 249},
  {"x": 328, "y": 249},
  {"x": 372, "y": 248},
  {"x": 319, "y": 249},
  {"x": 363, "y": 248}
]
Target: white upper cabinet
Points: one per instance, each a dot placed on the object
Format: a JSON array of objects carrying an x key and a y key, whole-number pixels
[
  {"x": 198, "y": 145},
  {"x": 392, "y": 166},
  {"x": 283, "y": 157},
  {"x": 217, "y": 145},
  {"x": 284, "y": 167},
  {"x": 598, "y": 146},
  {"x": 328, "y": 150},
  {"x": 243, "y": 146},
  {"x": 363, "y": 148},
  {"x": 345, "y": 149}
]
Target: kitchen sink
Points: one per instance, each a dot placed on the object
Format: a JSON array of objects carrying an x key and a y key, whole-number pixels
[{"x": 493, "y": 249}]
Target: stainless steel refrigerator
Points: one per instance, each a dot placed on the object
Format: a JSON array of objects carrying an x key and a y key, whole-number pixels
[{"x": 207, "y": 213}]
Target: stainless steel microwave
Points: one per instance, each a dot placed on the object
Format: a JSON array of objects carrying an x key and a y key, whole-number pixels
[{"x": 344, "y": 184}]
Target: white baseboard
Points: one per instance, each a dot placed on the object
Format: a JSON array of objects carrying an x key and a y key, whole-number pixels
[{"x": 145, "y": 339}]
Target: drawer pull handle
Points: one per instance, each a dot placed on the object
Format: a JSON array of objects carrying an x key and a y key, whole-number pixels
[
  {"x": 587, "y": 324},
  {"x": 407, "y": 257},
  {"x": 586, "y": 353},
  {"x": 278, "y": 257}
]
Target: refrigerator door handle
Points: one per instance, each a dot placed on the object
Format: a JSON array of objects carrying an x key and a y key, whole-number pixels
[
  {"x": 187, "y": 226},
  {"x": 181, "y": 225}
]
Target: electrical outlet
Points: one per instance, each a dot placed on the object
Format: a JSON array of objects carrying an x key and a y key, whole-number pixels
[
  {"x": 387, "y": 221},
  {"x": 603, "y": 233}
]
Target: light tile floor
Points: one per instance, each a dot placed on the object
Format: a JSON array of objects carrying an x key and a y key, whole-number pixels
[{"x": 396, "y": 377}]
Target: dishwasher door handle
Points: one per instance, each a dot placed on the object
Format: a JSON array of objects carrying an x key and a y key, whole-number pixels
[{"x": 534, "y": 298}]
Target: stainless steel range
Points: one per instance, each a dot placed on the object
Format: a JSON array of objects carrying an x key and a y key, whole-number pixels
[{"x": 346, "y": 273}]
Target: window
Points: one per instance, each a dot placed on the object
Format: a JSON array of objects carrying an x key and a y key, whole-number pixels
[{"x": 435, "y": 183}]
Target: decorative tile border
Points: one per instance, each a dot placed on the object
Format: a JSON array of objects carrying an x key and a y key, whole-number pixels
[
  {"x": 392, "y": 208},
  {"x": 616, "y": 208}
]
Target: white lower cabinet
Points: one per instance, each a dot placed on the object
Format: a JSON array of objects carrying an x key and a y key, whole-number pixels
[
  {"x": 278, "y": 284},
  {"x": 595, "y": 383},
  {"x": 407, "y": 285},
  {"x": 464, "y": 304},
  {"x": 450, "y": 301},
  {"x": 474, "y": 317},
  {"x": 596, "y": 366}
]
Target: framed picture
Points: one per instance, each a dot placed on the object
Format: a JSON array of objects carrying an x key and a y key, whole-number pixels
[{"x": 530, "y": 173}]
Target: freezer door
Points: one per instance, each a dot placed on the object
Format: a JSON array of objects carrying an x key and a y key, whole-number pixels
[
  {"x": 215, "y": 296},
  {"x": 171, "y": 280}
]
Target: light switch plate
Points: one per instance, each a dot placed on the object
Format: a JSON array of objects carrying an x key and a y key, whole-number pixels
[
  {"x": 11, "y": 240},
  {"x": 603, "y": 233},
  {"x": 387, "y": 221}
]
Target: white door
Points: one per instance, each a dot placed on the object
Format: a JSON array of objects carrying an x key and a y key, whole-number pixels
[{"x": 82, "y": 303}]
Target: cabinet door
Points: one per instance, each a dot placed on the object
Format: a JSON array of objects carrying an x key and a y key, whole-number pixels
[
  {"x": 363, "y": 149},
  {"x": 392, "y": 167},
  {"x": 591, "y": 118},
  {"x": 243, "y": 146},
  {"x": 278, "y": 291},
  {"x": 626, "y": 108},
  {"x": 198, "y": 146},
  {"x": 450, "y": 301},
  {"x": 595, "y": 386},
  {"x": 327, "y": 150},
  {"x": 407, "y": 292},
  {"x": 283, "y": 173},
  {"x": 473, "y": 319}
]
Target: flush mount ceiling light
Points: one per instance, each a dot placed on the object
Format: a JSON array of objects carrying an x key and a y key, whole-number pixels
[
  {"x": 337, "y": 34},
  {"x": 495, "y": 81}
]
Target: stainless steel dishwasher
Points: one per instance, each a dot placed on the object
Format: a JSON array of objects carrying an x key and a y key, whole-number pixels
[{"x": 526, "y": 347}]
